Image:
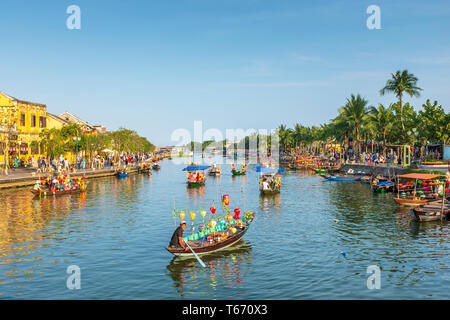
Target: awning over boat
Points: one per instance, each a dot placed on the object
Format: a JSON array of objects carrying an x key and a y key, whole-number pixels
[
  {"x": 268, "y": 170},
  {"x": 421, "y": 176},
  {"x": 193, "y": 168}
]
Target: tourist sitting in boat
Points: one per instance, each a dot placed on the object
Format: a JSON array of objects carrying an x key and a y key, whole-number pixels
[
  {"x": 265, "y": 185},
  {"x": 177, "y": 238}
]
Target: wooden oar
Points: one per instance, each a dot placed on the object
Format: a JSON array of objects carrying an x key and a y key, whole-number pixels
[{"x": 196, "y": 256}]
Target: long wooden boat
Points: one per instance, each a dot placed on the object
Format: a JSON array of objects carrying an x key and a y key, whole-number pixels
[
  {"x": 48, "y": 193},
  {"x": 435, "y": 164},
  {"x": 238, "y": 173},
  {"x": 431, "y": 211},
  {"x": 204, "y": 247},
  {"x": 411, "y": 201},
  {"x": 340, "y": 178}
]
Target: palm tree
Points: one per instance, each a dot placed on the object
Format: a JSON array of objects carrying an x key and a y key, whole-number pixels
[
  {"x": 381, "y": 120},
  {"x": 354, "y": 113},
  {"x": 284, "y": 136},
  {"x": 402, "y": 82}
]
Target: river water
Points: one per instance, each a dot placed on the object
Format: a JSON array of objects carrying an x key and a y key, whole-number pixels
[{"x": 315, "y": 240}]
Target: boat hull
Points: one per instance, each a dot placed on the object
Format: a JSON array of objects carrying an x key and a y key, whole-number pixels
[
  {"x": 209, "y": 248},
  {"x": 410, "y": 202},
  {"x": 336, "y": 178},
  {"x": 237, "y": 173},
  {"x": 56, "y": 193}
]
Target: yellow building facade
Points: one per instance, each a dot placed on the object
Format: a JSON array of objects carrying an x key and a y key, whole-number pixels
[{"x": 22, "y": 121}]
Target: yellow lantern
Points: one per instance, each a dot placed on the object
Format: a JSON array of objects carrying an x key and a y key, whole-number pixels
[
  {"x": 181, "y": 215},
  {"x": 192, "y": 214},
  {"x": 203, "y": 213},
  {"x": 213, "y": 223}
]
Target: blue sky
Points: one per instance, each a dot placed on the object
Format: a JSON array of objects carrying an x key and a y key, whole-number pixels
[{"x": 155, "y": 66}]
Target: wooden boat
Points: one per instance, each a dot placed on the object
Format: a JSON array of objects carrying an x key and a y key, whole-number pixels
[
  {"x": 196, "y": 184},
  {"x": 431, "y": 211},
  {"x": 340, "y": 178},
  {"x": 383, "y": 186},
  {"x": 215, "y": 171},
  {"x": 237, "y": 173},
  {"x": 193, "y": 181},
  {"x": 57, "y": 192},
  {"x": 204, "y": 247},
  {"x": 411, "y": 201},
  {"x": 273, "y": 176},
  {"x": 156, "y": 166},
  {"x": 435, "y": 164}
]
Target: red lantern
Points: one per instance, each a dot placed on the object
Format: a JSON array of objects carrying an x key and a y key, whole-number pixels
[
  {"x": 237, "y": 211},
  {"x": 213, "y": 209}
]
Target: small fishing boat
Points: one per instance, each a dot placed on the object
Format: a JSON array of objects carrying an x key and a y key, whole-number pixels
[
  {"x": 431, "y": 211},
  {"x": 340, "y": 178},
  {"x": 411, "y": 201},
  {"x": 146, "y": 169}
]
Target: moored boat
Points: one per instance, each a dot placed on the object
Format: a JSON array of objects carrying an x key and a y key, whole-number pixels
[
  {"x": 270, "y": 180},
  {"x": 431, "y": 211},
  {"x": 411, "y": 201},
  {"x": 340, "y": 178}
]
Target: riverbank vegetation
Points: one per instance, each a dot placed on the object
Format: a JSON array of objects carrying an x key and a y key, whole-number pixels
[{"x": 73, "y": 139}]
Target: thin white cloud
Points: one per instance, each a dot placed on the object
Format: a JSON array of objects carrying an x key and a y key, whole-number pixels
[{"x": 281, "y": 84}]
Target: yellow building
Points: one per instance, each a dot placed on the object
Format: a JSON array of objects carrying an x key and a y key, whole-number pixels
[{"x": 22, "y": 121}]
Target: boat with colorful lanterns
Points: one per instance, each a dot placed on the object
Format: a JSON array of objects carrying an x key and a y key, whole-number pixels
[
  {"x": 239, "y": 172},
  {"x": 269, "y": 180},
  {"x": 415, "y": 189},
  {"x": 214, "y": 234},
  {"x": 122, "y": 172},
  {"x": 435, "y": 165},
  {"x": 214, "y": 170},
  {"x": 59, "y": 185},
  {"x": 195, "y": 175},
  {"x": 156, "y": 166}
]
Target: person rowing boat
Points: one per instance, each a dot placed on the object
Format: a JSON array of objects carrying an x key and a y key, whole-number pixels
[{"x": 177, "y": 238}]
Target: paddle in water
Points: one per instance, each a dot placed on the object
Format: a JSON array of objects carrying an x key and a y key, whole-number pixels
[{"x": 196, "y": 256}]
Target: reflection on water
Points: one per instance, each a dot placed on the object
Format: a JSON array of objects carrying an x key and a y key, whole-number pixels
[
  {"x": 224, "y": 269},
  {"x": 118, "y": 230}
]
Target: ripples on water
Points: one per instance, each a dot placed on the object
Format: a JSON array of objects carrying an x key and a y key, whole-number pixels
[{"x": 117, "y": 231}]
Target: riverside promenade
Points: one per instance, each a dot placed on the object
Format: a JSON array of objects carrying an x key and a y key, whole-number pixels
[{"x": 25, "y": 177}]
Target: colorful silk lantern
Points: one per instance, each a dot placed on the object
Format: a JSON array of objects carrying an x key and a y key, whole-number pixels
[
  {"x": 181, "y": 215},
  {"x": 213, "y": 209},
  {"x": 192, "y": 214}
]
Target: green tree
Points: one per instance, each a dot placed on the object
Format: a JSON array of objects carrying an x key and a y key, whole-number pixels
[
  {"x": 402, "y": 82},
  {"x": 381, "y": 120},
  {"x": 354, "y": 113}
]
